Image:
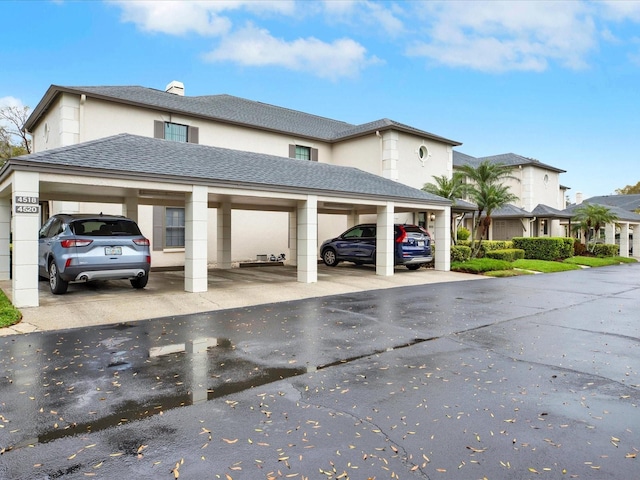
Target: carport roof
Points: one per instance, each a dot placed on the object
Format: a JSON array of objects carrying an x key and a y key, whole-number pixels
[
  {"x": 136, "y": 157},
  {"x": 546, "y": 211},
  {"x": 622, "y": 214}
]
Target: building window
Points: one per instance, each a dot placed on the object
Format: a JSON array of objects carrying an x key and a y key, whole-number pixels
[
  {"x": 423, "y": 154},
  {"x": 174, "y": 227},
  {"x": 303, "y": 153},
  {"x": 300, "y": 152},
  {"x": 175, "y": 132}
]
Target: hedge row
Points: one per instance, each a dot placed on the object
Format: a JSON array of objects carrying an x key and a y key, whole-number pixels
[
  {"x": 535, "y": 248},
  {"x": 460, "y": 253},
  {"x": 606, "y": 250},
  {"x": 545, "y": 248},
  {"x": 507, "y": 254}
]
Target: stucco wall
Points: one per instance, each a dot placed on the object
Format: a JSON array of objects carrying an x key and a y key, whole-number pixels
[
  {"x": 532, "y": 189},
  {"x": 414, "y": 172}
]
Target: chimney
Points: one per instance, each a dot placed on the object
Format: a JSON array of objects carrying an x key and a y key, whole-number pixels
[
  {"x": 578, "y": 198},
  {"x": 175, "y": 87}
]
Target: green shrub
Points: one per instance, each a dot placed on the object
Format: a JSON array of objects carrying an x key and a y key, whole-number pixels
[
  {"x": 579, "y": 249},
  {"x": 463, "y": 234},
  {"x": 544, "y": 248},
  {"x": 506, "y": 254},
  {"x": 488, "y": 245},
  {"x": 460, "y": 253},
  {"x": 606, "y": 250}
]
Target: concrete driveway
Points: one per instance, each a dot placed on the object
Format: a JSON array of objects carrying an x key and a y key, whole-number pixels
[{"x": 99, "y": 303}]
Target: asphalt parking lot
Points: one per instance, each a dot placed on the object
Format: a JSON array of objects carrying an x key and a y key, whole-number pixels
[{"x": 514, "y": 378}]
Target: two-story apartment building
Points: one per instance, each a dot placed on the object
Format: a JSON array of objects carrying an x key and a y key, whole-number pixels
[
  {"x": 210, "y": 179},
  {"x": 72, "y": 115},
  {"x": 541, "y": 197}
]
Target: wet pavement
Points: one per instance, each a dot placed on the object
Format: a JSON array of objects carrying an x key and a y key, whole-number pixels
[{"x": 525, "y": 377}]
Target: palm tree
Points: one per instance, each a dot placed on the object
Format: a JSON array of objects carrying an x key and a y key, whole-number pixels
[
  {"x": 488, "y": 192},
  {"x": 450, "y": 188},
  {"x": 489, "y": 198},
  {"x": 592, "y": 216}
]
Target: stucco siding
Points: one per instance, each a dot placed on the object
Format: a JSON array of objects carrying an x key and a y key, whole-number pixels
[
  {"x": 364, "y": 153},
  {"x": 415, "y": 172}
]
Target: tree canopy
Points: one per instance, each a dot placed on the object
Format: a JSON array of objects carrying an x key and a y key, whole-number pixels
[
  {"x": 629, "y": 189},
  {"x": 590, "y": 216},
  {"x": 487, "y": 190},
  {"x": 13, "y": 140}
]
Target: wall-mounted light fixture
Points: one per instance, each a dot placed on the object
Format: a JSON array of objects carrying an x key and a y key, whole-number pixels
[{"x": 432, "y": 217}]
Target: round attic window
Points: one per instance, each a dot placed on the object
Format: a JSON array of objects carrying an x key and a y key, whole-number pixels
[
  {"x": 546, "y": 179},
  {"x": 423, "y": 153}
]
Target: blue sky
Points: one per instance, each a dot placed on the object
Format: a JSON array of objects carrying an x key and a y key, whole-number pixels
[{"x": 558, "y": 81}]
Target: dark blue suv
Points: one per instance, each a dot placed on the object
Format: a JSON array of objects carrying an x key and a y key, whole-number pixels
[{"x": 358, "y": 245}]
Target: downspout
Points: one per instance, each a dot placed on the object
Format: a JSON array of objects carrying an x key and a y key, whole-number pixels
[
  {"x": 379, "y": 135},
  {"x": 83, "y": 100},
  {"x": 530, "y": 225}
]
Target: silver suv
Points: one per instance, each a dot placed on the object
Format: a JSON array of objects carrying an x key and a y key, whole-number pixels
[{"x": 81, "y": 248}]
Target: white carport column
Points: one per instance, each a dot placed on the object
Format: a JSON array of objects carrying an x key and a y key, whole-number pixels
[
  {"x": 26, "y": 223},
  {"x": 293, "y": 242},
  {"x": 609, "y": 233},
  {"x": 636, "y": 240},
  {"x": 307, "y": 240},
  {"x": 442, "y": 238},
  {"x": 385, "y": 245},
  {"x": 352, "y": 219},
  {"x": 5, "y": 228},
  {"x": 130, "y": 208},
  {"x": 224, "y": 236},
  {"x": 624, "y": 239},
  {"x": 195, "y": 254}
]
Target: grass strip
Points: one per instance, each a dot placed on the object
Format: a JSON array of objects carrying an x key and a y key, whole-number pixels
[{"x": 9, "y": 315}]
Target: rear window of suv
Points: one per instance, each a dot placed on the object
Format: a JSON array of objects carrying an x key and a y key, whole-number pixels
[
  {"x": 104, "y": 228},
  {"x": 413, "y": 229}
]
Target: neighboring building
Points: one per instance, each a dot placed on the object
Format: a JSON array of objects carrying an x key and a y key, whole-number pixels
[
  {"x": 72, "y": 115},
  {"x": 627, "y": 209},
  {"x": 541, "y": 197}
]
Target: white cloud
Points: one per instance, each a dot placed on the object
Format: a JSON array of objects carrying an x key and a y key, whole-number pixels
[
  {"x": 500, "y": 36},
  {"x": 374, "y": 16},
  {"x": 204, "y": 17},
  {"x": 10, "y": 102},
  {"x": 621, "y": 10},
  {"x": 252, "y": 46}
]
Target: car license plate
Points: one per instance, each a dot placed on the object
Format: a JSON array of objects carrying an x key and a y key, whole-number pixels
[
  {"x": 421, "y": 243},
  {"x": 113, "y": 250}
]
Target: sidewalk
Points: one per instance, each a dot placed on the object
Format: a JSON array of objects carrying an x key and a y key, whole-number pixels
[{"x": 111, "y": 302}]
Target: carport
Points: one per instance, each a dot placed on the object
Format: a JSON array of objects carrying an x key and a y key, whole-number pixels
[{"x": 132, "y": 170}]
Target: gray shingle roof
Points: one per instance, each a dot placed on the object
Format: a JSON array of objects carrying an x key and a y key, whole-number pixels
[
  {"x": 150, "y": 158},
  {"x": 626, "y": 202},
  {"x": 235, "y": 110},
  {"x": 622, "y": 214},
  {"x": 511, "y": 211},
  {"x": 460, "y": 159},
  {"x": 546, "y": 211}
]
